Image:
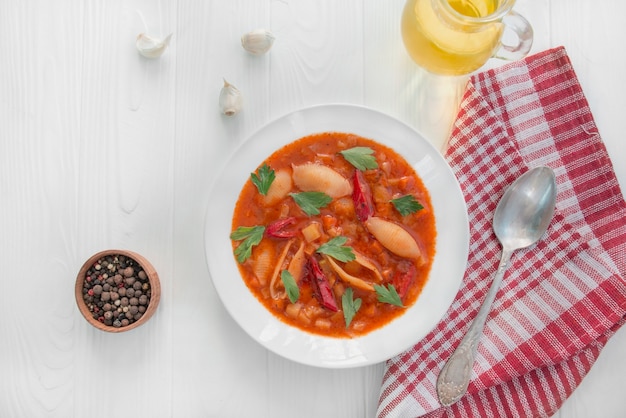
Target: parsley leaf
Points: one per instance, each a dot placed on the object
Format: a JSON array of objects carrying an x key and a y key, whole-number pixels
[
  {"x": 251, "y": 236},
  {"x": 311, "y": 202},
  {"x": 388, "y": 295},
  {"x": 335, "y": 249},
  {"x": 263, "y": 180},
  {"x": 349, "y": 305},
  {"x": 360, "y": 157},
  {"x": 406, "y": 205},
  {"x": 291, "y": 287}
]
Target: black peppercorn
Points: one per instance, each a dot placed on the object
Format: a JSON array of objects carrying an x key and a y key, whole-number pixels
[
  {"x": 116, "y": 291},
  {"x": 117, "y": 279}
]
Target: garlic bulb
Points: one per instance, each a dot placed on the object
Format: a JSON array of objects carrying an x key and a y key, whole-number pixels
[
  {"x": 257, "y": 42},
  {"x": 151, "y": 47},
  {"x": 230, "y": 99}
]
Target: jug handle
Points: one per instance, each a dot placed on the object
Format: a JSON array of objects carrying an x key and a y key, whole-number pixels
[{"x": 524, "y": 31}]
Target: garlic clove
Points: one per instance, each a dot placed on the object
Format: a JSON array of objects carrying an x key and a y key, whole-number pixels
[
  {"x": 257, "y": 42},
  {"x": 151, "y": 47},
  {"x": 231, "y": 99}
]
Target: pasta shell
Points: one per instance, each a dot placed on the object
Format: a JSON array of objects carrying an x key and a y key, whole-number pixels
[
  {"x": 279, "y": 188},
  {"x": 312, "y": 177},
  {"x": 277, "y": 268},
  {"x": 297, "y": 263},
  {"x": 368, "y": 264},
  {"x": 348, "y": 278},
  {"x": 263, "y": 263},
  {"x": 394, "y": 238}
]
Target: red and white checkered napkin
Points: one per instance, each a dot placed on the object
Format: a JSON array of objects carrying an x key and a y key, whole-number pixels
[{"x": 561, "y": 300}]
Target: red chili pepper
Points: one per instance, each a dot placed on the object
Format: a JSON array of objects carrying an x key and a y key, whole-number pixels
[
  {"x": 362, "y": 197},
  {"x": 402, "y": 280},
  {"x": 277, "y": 228},
  {"x": 326, "y": 296}
]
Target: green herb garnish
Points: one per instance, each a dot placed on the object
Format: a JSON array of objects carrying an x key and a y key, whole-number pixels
[
  {"x": 388, "y": 295},
  {"x": 263, "y": 180},
  {"x": 251, "y": 236},
  {"x": 291, "y": 287},
  {"x": 335, "y": 248},
  {"x": 349, "y": 305},
  {"x": 360, "y": 157},
  {"x": 311, "y": 202},
  {"x": 406, "y": 205}
]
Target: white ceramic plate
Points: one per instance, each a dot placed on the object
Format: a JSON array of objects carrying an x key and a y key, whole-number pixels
[{"x": 447, "y": 270}]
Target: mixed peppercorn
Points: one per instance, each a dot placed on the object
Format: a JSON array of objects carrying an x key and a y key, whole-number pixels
[{"x": 116, "y": 290}]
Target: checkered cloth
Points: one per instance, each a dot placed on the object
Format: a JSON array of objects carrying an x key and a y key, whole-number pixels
[{"x": 560, "y": 300}]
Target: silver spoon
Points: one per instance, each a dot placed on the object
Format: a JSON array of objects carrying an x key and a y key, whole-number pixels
[{"x": 521, "y": 218}]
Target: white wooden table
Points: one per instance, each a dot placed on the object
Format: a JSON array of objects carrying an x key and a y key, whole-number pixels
[{"x": 100, "y": 148}]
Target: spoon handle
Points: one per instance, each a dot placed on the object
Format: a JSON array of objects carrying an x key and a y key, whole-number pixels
[{"x": 455, "y": 376}]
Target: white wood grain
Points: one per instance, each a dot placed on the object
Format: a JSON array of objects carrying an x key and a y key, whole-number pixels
[
  {"x": 124, "y": 199},
  {"x": 38, "y": 209},
  {"x": 101, "y": 148}
]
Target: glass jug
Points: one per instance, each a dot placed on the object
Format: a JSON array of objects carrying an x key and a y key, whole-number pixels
[{"x": 455, "y": 37}]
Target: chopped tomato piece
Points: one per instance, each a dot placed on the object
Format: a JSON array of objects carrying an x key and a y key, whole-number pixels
[
  {"x": 319, "y": 279},
  {"x": 329, "y": 221},
  {"x": 403, "y": 279},
  {"x": 277, "y": 228},
  {"x": 362, "y": 197}
]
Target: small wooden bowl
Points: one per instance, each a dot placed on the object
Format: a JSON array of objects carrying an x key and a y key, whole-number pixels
[{"x": 152, "y": 277}]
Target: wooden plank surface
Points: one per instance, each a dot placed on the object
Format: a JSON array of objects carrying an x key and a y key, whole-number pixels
[{"x": 100, "y": 148}]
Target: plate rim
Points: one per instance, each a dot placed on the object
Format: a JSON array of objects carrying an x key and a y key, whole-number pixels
[{"x": 319, "y": 346}]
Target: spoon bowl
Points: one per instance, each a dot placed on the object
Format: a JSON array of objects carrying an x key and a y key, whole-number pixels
[
  {"x": 526, "y": 209},
  {"x": 520, "y": 220}
]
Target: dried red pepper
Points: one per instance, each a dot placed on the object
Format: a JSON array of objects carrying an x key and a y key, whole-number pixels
[
  {"x": 325, "y": 293},
  {"x": 362, "y": 197},
  {"x": 277, "y": 228}
]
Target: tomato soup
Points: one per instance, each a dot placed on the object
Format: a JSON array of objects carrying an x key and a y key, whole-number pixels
[{"x": 334, "y": 234}]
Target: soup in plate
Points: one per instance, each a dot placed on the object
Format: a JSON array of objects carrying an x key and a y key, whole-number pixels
[{"x": 334, "y": 234}]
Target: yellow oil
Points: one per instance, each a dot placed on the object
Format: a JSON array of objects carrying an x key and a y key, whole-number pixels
[
  {"x": 474, "y": 8},
  {"x": 444, "y": 47}
]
